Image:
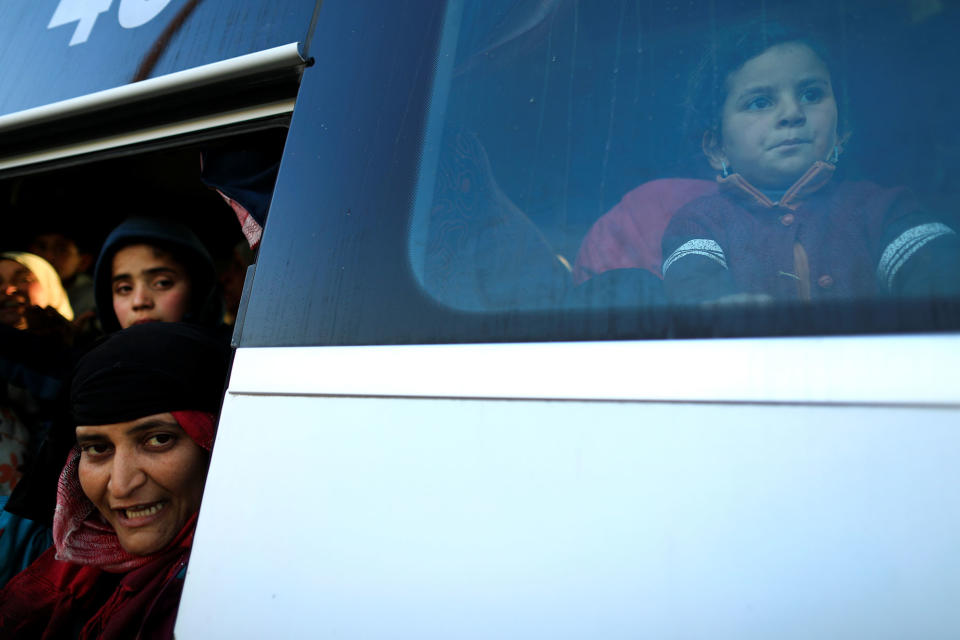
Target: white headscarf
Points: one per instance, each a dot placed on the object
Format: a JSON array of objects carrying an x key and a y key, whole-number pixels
[{"x": 48, "y": 278}]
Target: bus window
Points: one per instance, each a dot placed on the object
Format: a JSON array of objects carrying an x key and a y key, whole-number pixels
[
  {"x": 574, "y": 116},
  {"x": 579, "y": 174}
]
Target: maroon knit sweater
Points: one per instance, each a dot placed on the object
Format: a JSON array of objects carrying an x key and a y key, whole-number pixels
[{"x": 824, "y": 238}]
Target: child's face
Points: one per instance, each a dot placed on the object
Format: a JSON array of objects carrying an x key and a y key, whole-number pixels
[
  {"x": 148, "y": 286},
  {"x": 780, "y": 116}
]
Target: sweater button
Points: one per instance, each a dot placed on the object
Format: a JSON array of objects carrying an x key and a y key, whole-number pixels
[
  {"x": 825, "y": 281},
  {"x": 786, "y": 219}
]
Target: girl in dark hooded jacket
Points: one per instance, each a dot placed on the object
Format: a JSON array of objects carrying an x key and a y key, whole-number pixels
[{"x": 155, "y": 270}]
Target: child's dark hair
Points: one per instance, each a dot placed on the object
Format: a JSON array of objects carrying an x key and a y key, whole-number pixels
[{"x": 729, "y": 49}]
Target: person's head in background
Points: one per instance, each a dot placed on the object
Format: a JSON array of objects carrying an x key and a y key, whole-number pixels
[
  {"x": 29, "y": 285},
  {"x": 231, "y": 275},
  {"x": 154, "y": 270},
  {"x": 63, "y": 252},
  {"x": 764, "y": 104},
  {"x": 65, "y": 244}
]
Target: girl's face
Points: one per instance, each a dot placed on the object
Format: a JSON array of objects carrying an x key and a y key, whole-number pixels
[
  {"x": 780, "y": 116},
  {"x": 148, "y": 286},
  {"x": 145, "y": 477}
]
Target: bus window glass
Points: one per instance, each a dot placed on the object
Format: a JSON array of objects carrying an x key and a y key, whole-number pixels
[
  {"x": 565, "y": 170},
  {"x": 662, "y": 157}
]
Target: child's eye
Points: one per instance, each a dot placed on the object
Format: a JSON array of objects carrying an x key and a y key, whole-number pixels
[
  {"x": 159, "y": 440},
  {"x": 122, "y": 289},
  {"x": 812, "y": 95},
  {"x": 758, "y": 103},
  {"x": 163, "y": 283}
]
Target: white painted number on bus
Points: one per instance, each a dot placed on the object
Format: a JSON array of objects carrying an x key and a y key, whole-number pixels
[
  {"x": 131, "y": 14},
  {"x": 84, "y": 12}
]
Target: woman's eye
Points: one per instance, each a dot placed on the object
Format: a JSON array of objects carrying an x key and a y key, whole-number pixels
[
  {"x": 163, "y": 283},
  {"x": 122, "y": 289},
  {"x": 98, "y": 449},
  {"x": 159, "y": 440},
  {"x": 760, "y": 102}
]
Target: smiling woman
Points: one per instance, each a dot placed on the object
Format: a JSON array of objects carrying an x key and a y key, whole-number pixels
[
  {"x": 145, "y": 401},
  {"x": 144, "y": 476}
]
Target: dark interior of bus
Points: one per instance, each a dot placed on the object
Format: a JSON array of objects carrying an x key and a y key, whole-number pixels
[{"x": 86, "y": 199}]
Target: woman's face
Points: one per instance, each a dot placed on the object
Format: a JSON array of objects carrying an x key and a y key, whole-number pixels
[
  {"x": 19, "y": 289},
  {"x": 148, "y": 286},
  {"x": 780, "y": 116},
  {"x": 145, "y": 477}
]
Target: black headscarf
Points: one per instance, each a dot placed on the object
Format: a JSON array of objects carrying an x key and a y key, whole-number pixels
[{"x": 147, "y": 369}]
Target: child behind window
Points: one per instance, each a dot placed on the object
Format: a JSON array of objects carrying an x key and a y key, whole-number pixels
[{"x": 783, "y": 225}]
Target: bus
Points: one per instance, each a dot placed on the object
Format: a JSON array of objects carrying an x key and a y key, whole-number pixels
[{"x": 463, "y": 403}]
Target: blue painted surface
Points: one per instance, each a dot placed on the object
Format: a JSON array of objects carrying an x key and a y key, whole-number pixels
[{"x": 39, "y": 66}]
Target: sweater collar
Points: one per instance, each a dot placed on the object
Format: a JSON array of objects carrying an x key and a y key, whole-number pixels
[{"x": 819, "y": 174}]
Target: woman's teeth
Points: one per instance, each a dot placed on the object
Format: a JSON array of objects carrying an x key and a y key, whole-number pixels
[{"x": 143, "y": 511}]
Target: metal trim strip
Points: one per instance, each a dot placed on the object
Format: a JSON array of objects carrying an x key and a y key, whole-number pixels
[
  {"x": 153, "y": 133},
  {"x": 282, "y": 57},
  {"x": 911, "y": 370}
]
